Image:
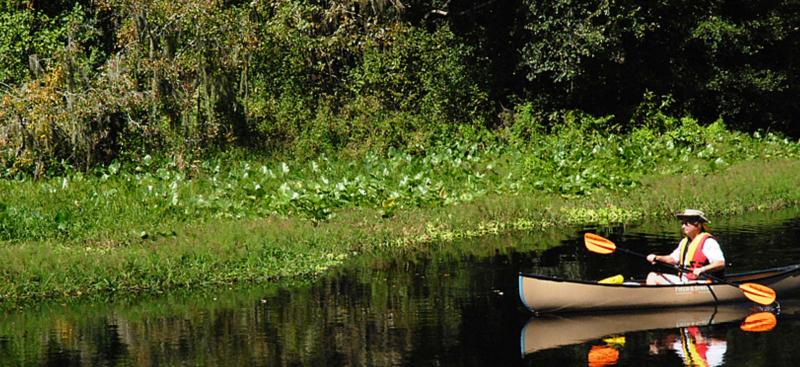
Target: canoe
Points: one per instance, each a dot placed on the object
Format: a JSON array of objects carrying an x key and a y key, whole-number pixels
[
  {"x": 557, "y": 330},
  {"x": 544, "y": 294}
]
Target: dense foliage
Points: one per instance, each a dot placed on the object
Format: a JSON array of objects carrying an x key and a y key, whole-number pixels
[
  {"x": 88, "y": 82},
  {"x": 129, "y": 229},
  {"x": 580, "y": 156}
]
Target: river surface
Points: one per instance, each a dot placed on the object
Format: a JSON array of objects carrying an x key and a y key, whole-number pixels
[{"x": 454, "y": 304}]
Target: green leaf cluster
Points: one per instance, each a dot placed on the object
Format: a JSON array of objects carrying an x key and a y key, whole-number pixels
[
  {"x": 570, "y": 155},
  {"x": 87, "y": 83}
]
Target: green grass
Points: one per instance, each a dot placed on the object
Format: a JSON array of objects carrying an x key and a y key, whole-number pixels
[{"x": 152, "y": 228}]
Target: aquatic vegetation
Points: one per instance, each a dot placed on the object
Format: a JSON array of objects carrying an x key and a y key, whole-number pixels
[
  {"x": 571, "y": 162},
  {"x": 160, "y": 225}
]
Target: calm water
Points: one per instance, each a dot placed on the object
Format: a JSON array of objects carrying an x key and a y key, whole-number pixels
[{"x": 455, "y": 305}]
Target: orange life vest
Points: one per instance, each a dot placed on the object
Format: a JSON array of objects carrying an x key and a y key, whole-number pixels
[{"x": 694, "y": 254}]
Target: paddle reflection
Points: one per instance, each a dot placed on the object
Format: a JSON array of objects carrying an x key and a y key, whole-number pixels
[
  {"x": 682, "y": 331},
  {"x": 603, "y": 355}
]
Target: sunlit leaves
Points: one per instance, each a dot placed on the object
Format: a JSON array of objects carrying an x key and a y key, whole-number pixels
[
  {"x": 570, "y": 161},
  {"x": 576, "y": 160},
  {"x": 568, "y": 35}
]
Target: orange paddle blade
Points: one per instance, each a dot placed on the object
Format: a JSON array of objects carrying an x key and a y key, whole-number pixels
[
  {"x": 759, "y": 322},
  {"x": 598, "y": 244},
  {"x": 758, "y": 293}
]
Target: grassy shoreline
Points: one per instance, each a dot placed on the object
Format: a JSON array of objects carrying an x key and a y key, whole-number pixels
[
  {"x": 229, "y": 251},
  {"x": 156, "y": 226}
]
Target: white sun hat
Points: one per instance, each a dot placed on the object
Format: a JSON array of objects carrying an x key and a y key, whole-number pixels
[{"x": 689, "y": 214}]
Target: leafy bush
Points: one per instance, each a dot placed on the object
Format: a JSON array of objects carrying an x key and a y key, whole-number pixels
[
  {"x": 570, "y": 161},
  {"x": 383, "y": 84},
  {"x": 65, "y": 118},
  {"x": 29, "y": 39}
]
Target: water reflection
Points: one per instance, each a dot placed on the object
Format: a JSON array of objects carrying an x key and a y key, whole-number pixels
[
  {"x": 552, "y": 331},
  {"x": 456, "y": 304},
  {"x": 696, "y": 335},
  {"x": 695, "y": 347}
]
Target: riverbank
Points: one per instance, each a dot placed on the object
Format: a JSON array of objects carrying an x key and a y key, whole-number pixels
[
  {"x": 222, "y": 251},
  {"x": 160, "y": 224}
]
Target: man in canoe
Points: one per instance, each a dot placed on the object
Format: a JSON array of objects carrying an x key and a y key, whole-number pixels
[{"x": 698, "y": 252}]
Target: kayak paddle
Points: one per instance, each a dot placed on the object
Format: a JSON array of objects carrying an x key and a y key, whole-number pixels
[{"x": 757, "y": 293}]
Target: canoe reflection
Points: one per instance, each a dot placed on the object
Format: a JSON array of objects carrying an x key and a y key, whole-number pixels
[{"x": 552, "y": 331}]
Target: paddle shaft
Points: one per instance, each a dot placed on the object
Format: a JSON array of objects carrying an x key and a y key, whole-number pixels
[
  {"x": 677, "y": 267},
  {"x": 758, "y": 293}
]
